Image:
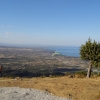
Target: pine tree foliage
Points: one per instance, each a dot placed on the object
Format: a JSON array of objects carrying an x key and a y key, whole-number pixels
[
  {"x": 90, "y": 51},
  {"x": 97, "y": 61}
]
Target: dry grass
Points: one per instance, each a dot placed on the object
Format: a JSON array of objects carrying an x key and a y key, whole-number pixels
[{"x": 78, "y": 88}]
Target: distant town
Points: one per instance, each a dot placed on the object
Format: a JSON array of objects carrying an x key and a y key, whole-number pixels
[{"x": 34, "y": 62}]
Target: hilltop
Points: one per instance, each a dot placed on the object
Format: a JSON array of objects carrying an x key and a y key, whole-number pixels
[{"x": 77, "y": 88}]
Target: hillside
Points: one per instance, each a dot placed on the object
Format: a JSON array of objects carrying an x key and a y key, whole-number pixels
[{"x": 77, "y": 88}]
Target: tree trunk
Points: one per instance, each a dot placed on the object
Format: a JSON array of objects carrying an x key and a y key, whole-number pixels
[{"x": 89, "y": 70}]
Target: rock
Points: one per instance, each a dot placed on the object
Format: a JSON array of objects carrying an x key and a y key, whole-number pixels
[{"x": 70, "y": 76}]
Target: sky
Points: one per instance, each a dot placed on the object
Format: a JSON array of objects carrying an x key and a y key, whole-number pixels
[{"x": 49, "y": 22}]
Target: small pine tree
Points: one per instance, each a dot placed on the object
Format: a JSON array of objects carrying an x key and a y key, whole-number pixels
[{"x": 90, "y": 51}]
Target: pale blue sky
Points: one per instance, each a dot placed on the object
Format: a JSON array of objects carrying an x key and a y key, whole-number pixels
[{"x": 49, "y": 22}]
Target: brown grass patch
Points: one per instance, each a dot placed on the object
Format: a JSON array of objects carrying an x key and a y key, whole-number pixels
[{"x": 78, "y": 88}]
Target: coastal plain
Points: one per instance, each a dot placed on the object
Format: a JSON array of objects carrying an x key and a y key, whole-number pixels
[{"x": 35, "y": 62}]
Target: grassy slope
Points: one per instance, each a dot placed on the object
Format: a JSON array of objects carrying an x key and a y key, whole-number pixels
[{"x": 78, "y": 88}]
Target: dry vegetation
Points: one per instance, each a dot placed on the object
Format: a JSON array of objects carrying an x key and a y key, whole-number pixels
[{"x": 78, "y": 88}]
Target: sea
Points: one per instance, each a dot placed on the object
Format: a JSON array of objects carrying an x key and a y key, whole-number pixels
[{"x": 71, "y": 51}]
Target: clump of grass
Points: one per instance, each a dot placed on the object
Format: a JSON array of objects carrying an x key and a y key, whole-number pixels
[
  {"x": 54, "y": 76},
  {"x": 68, "y": 73},
  {"x": 51, "y": 76},
  {"x": 95, "y": 74},
  {"x": 10, "y": 76},
  {"x": 43, "y": 76},
  {"x": 80, "y": 74}
]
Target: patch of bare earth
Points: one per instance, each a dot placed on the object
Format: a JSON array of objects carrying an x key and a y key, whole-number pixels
[{"x": 76, "y": 88}]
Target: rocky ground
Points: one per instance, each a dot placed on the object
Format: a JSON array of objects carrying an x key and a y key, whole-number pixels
[{"x": 15, "y": 93}]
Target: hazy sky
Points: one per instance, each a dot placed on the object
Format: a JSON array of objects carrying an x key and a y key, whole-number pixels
[{"x": 49, "y": 22}]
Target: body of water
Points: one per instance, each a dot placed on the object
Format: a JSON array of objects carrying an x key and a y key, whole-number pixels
[{"x": 67, "y": 51}]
